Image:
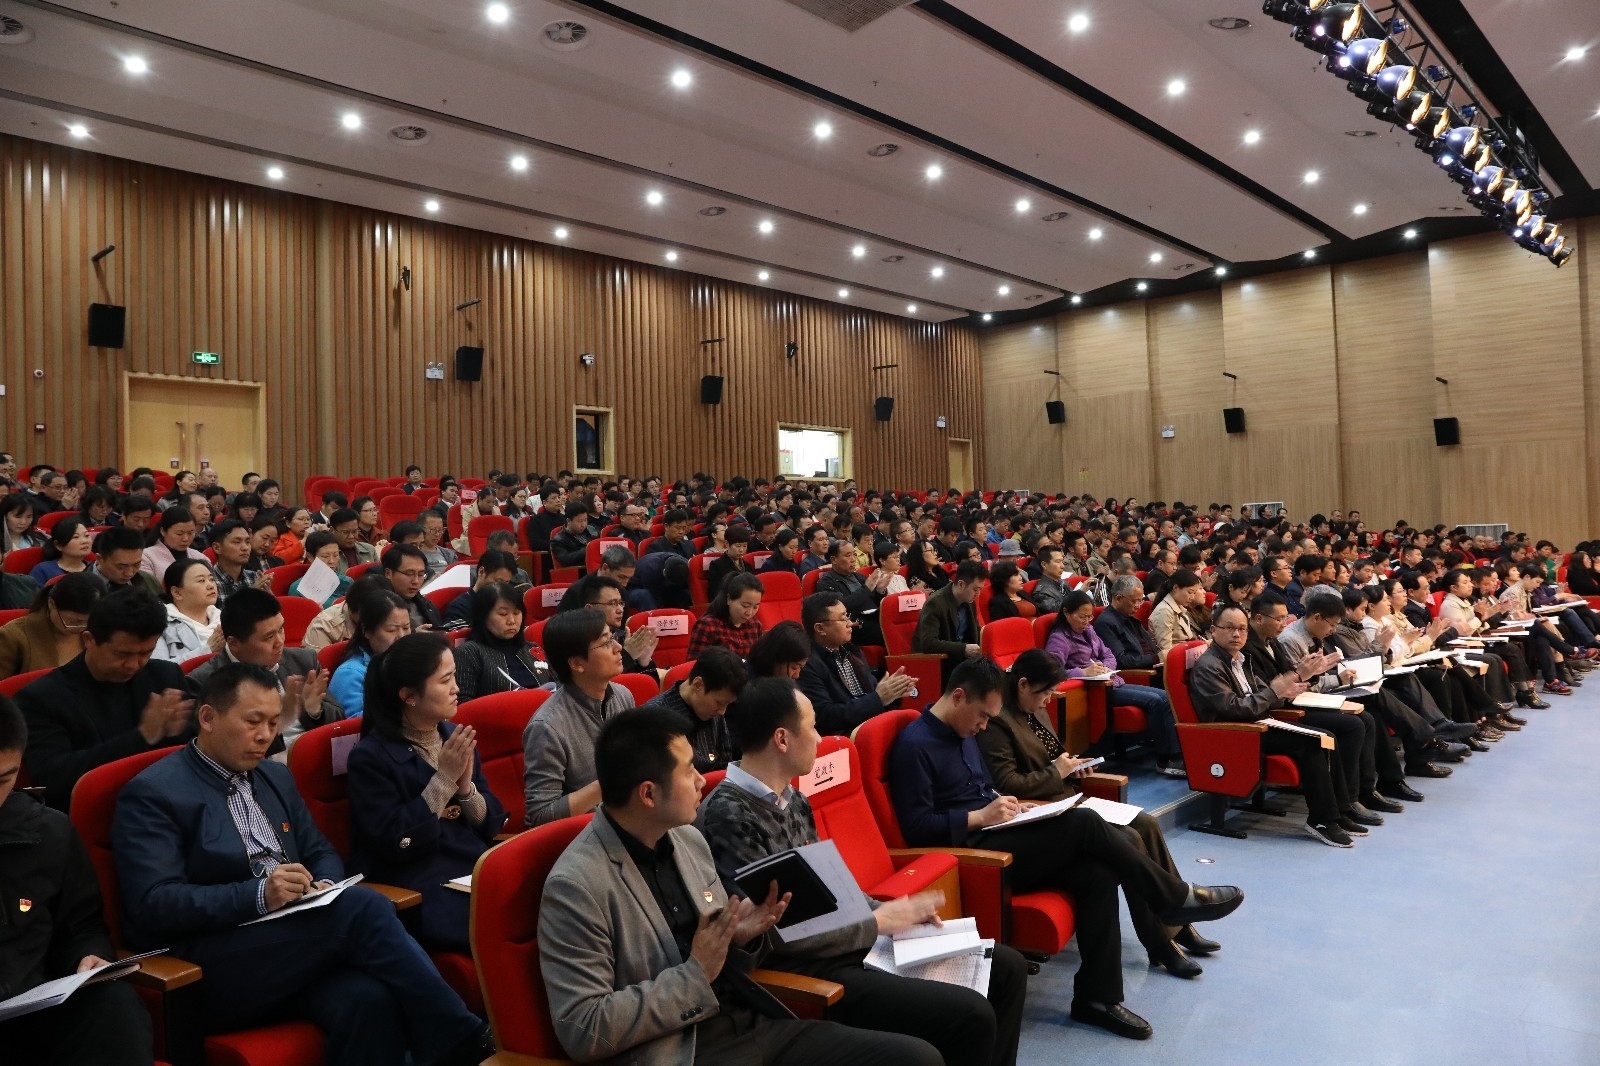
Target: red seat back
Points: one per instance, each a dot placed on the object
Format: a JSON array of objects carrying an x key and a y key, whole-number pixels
[
  {"x": 298, "y": 614},
  {"x": 1006, "y": 638},
  {"x": 94, "y": 803},
  {"x": 1042, "y": 625},
  {"x": 324, "y": 792},
  {"x": 873, "y": 739},
  {"x": 644, "y": 687},
  {"x": 1434, "y": 600},
  {"x": 780, "y": 598},
  {"x": 399, "y": 508},
  {"x": 500, "y": 719},
  {"x": 808, "y": 584},
  {"x": 898, "y": 616},
  {"x": 507, "y": 886},
  {"x": 1177, "y": 680},
  {"x": 17, "y": 682},
  {"x": 676, "y": 675},
  {"x": 479, "y": 528},
  {"x": 981, "y": 604},
  {"x": 330, "y": 656},
  {"x": 22, "y": 560},
  {"x": 47, "y": 522},
  {"x": 286, "y": 575},
  {"x": 596, "y": 548},
  {"x": 189, "y": 666},
  {"x": 12, "y": 614},
  {"x": 442, "y": 598},
  {"x": 1143, "y": 612},
  {"x": 673, "y": 626},
  {"x": 541, "y": 601},
  {"x": 361, "y": 569},
  {"x": 844, "y": 816}
]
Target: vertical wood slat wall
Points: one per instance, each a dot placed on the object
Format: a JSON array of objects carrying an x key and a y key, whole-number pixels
[
  {"x": 1336, "y": 372},
  {"x": 209, "y": 265}
]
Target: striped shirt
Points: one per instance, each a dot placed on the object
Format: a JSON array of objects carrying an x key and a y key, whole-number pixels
[{"x": 261, "y": 841}]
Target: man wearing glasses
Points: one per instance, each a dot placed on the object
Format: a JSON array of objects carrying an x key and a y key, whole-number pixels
[
  {"x": 633, "y": 525},
  {"x": 407, "y": 569},
  {"x": 836, "y": 678}
]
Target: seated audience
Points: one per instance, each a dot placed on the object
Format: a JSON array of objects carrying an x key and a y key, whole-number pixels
[
  {"x": 782, "y": 651},
  {"x": 674, "y": 537},
  {"x": 731, "y": 620},
  {"x": 421, "y": 812},
  {"x": 558, "y": 778},
  {"x": 947, "y": 624},
  {"x": 624, "y": 980},
  {"x": 336, "y": 622},
  {"x": 66, "y": 552},
  {"x": 702, "y": 699},
  {"x": 944, "y": 797},
  {"x": 496, "y": 657},
  {"x": 62, "y": 933},
  {"x": 353, "y": 551},
  {"x": 407, "y": 570},
  {"x": 570, "y": 546},
  {"x": 1119, "y": 626},
  {"x": 173, "y": 542},
  {"x": 51, "y": 633},
  {"x": 1006, "y": 598},
  {"x": 252, "y": 628},
  {"x": 1173, "y": 622},
  {"x": 1051, "y": 587},
  {"x": 381, "y": 619},
  {"x": 860, "y": 595},
  {"x": 756, "y": 812},
  {"x": 836, "y": 678},
  {"x": 291, "y": 543},
  {"x": 435, "y": 551},
  {"x": 230, "y": 541},
  {"x": 192, "y": 613},
  {"x": 924, "y": 569},
  {"x": 1076, "y": 645},
  {"x": 368, "y": 529},
  {"x": 110, "y": 702},
  {"x": 217, "y": 835},
  {"x": 605, "y": 596},
  {"x": 732, "y": 560},
  {"x": 20, "y": 525},
  {"x": 323, "y": 546},
  {"x": 494, "y": 566},
  {"x": 120, "y": 552}
]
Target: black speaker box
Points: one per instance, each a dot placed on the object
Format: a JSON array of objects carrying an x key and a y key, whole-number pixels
[
  {"x": 1056, "y": 412},
  {"x": 107, "y": 325},
  {"x": 1446, "y": 431},
  {"x": 469, "y": 363},
  {"x": 711, "y": 388},
  {"x": 882, "y": 408},
  {"x": 1233, "y": 419}
]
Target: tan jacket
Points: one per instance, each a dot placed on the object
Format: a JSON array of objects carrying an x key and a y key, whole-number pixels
[
  {"x": 329, "y": 627},
  {"x": 28, "y": 643},
  {"x": 1171, "y": 625}
]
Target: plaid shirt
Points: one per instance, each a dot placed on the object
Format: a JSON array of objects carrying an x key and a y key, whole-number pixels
[
  {"x": 709, "y": 631},
  {"x": 261, "y": 841},
  {"x": 227, "y": 586}
]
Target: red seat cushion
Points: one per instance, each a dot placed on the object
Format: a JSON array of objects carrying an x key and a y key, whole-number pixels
[
  {"x": 458, "y": 972},
  {"x": 1041, "y": 922},
  {"x": 1282, "y": 772},
  {"x": 289, "y": 1044},
  {"x": 1128, "y": 720}
]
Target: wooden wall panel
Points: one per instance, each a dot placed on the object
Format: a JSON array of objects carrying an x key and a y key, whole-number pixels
[
  {"x": 1025, "y": 451},
  {"x": 1105, "y": 368},
  {"x": 1188, "y": 393},
  {"x": 306, "y": 297}
]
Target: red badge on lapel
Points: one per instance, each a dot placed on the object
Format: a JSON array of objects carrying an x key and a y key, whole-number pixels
[
  {"x": 24, "y": 905},
  {"x": 285, "y": 827}
]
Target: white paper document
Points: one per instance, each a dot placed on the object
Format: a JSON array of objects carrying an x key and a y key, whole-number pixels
[
  {"x": 53, "y": 993},
  {"x": 1427, "y": 657},
  {"x": 1041, "y": 812},
  {"x": 308, "y": 902},
  {"x": 460, "y": 884},
  {"x": 1112, "y": 811},
  {"x": 1318, "y": 701},
  {"x": 829, "y": 866},
  {"x": 969, "y": 969},
  {"x": 458, "y": 576},
  {"x": 1323, "y": 739},
  {"x": 318, "y": 583},
  {"x": 930, "y": 943}
]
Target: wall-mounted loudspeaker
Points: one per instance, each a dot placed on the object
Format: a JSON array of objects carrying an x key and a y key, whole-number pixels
[
  {"x": 882, "y": 408},
  {"x": 107, "y": 325},
  {"x": 711, "y": 388},
  {"x": 1446, "y": 432},
  {"x": 469, "y": 363},
  {"x": 1056, "y": 412},
  {"x": 1233, "y": 419}
]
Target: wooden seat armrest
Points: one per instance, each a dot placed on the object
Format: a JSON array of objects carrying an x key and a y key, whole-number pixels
[
  {"x": 1249, "y": 727},
  {"x": 918, "y": 655},
  {"x": 797, "y": 989},
  {"x": 501, "y": 838},
  {"x": 513, "y": 1058},
  {"x": 1137, "y": 675},
  {"x": 1288, "y": 714},
  {"x": 403, "y": 898},
  {"x": 164, "y": 973},
  {"x": 965, "y": 856},
  {"x": 1111, "y": 786}
]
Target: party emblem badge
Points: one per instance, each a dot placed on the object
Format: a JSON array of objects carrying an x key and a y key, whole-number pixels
[{"x": 26, "y": 905}]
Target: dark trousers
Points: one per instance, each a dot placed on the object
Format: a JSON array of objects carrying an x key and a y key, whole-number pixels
[
  {"x": 1501, "y": 675},
  {"x": 98, "y": 1025},
  {"x": 1406, "y": 723},
  {"x": 1351, "y": 736},
  {"x": 1316, "y": 772},
  {"x": 1411, "y": 692},
  {"x": 1579, "y": 625},
  {"x": 1081, "y": 854},
  {"x": 1157, "y": 712},
  {"x": 967, "y": 1029},
  {"x": 1444, "y": 693},
  {"x": 738, "y": 1037},
  {"x": 349, "y": 967}
]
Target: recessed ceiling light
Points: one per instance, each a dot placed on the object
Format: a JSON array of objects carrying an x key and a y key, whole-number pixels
[
  {"x": 1252, "y": 136},
  {"x": 1078, "y": 23},
  {"x": 1155, "y": 257},
  {"x": 822, "y": 131},
  {"x": 497, "y": 12},
  {"x": 937, "y": 272},
  {"x": 1023, "y": 207},
  {"x": 79, "y": 130},
  {"x": 1360, "y": 209},
  {"x": 653, "y": 198},
  {"x": 844, "y": 294},
  {"x": 1077, "y": 300},
  {"x": 765, "y": 225},
  {"x": 1312, "y": 177},
  {"x": 519, "y": 162},
  {"x": 763, "y": 276},
  {"x": 135, "y": 65},
  {"x": 934, "y": 172},
  {"x": 1141, "y": 286},
  {"x": 1311, "y": 253},
  {"x": 350, "y": 120},
  {"x": 1004, "y": 290},
  {"x": 859, "y": 250},
  {"x": 561, "y": 233},
  {"x": 275, "y": 173},
  {"x": 1576, "y": 53},
  {"x": 432, "y": 207},
  {"x": 672, "y": 257},
  {"x": 1411, "y": 234},
  {"x": 987, "y": 317},
  {"x": 1096, "y": 233},
  {"x": 911, "y": 309},
  {"x": 682, "y": 79},
  {"x": 1176, "y": 87}
]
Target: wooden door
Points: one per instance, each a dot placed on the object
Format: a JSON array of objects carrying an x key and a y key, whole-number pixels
[
  {"x": 182, "y": 424},
  {"x": 961, "y": 464}
]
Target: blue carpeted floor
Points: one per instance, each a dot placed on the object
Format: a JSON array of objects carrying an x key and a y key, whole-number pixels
[{"x": 1459, "y": 932}]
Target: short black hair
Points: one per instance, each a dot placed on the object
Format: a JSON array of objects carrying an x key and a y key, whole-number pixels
[
  {"x": 242, "y": 611},
  {"x": 220, "y": 532},
  {"x": 784, "y": 643},
  {"x": 978, "y": 678},
  {"x": 719, "y": 669},
  {"x": 494, "y": 559},
  {"x": 408, "y": 663},
  {"x": 1266, "y": 600},
  {"x": 221, "y": 690},
  {"x": 339, "y": 517},
  {"x": 396, "y": 555},
  {"x": 634, "y": 747},
  {"x": 568, "y": 635},
  {"x": 13, "y": 727},
  {"x": 968, "y": 571},
  {"x": 766, "y": 705},
  {"x": 1325, "y": 605}
]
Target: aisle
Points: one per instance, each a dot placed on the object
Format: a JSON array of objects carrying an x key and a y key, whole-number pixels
[{"x": 1464, "y": 930}]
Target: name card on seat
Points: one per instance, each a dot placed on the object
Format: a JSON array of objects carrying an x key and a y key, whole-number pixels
[
  {"x": 552, "y": 597},
  {"x": 670, "y": 625},
  {"x": 912, "y": 601},
  {"x": 829, "y": 771}
]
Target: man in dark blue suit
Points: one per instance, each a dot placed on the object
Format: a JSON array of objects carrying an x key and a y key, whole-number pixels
[
  {"x": 836, "y": 678},
  {"x": 215, "y": 836}
]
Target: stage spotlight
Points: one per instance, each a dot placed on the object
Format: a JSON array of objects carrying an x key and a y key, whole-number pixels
[{"x": 1363, "y": 57}]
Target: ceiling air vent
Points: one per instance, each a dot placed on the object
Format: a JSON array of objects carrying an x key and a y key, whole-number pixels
[
  {"x": 883, "y": 151},
  {"x": 410, "y": 134},
  {"x": 893, "y": 258},
  {"x": 1055, "y": 216},
  {"x": 13, "y": 32},
  {"x": 713, "y": 211},
  {"x": 849, "y": 14},
  {"x": 1229, "y": 23},
  {"x": 566, "y": 35}
]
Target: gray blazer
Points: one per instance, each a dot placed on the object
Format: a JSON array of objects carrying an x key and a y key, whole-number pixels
[
  {"x": 1298, "y": 643},
  {"x": 619, "y": 990}
]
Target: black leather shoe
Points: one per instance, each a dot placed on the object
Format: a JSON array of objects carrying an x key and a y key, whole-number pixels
[
  {"x": 1447, "y": 750},
  {"x": 1507, "y": 716},
  {"x": 1362, "y": 815},
  {"x": 1176, "y": 962},
  {"x": 1455, "y": 730},
  {"x": 1113, "y": 1019},
  {"x": 1427, "y": 769},
  {"x": 1194, "y": 943},
  {"x": 1475, "y": 744},
  {"x": 1377, "y": 801},
  {"x": 1351, "y": 827},
  {"x": 1504, "y": 705},
  {"x": 1210, "y": 903},
  {"x": 1400, "y": 790}
]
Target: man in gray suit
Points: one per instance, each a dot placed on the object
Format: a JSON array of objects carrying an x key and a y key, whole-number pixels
[
  {"x": 252, "y": 632},
  {"x": 646, "y": 957}
]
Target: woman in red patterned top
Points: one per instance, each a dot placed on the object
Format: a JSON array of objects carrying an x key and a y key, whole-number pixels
[{"x": 731, "y": 619}]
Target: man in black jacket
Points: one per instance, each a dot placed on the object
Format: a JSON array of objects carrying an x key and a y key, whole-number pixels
[
  {"x": 407, "y": 570},
  {"x": 110, "y": 702},
  {"x": 836, "y": 678},
  {"x": 1122, "y": 632},
  {"x": 51, "y": 927},
  {"x": 948, "y": 625},
  {"x": 842, "y": 578}
]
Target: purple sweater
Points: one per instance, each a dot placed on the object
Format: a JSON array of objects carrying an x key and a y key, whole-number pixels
[{"x": 1076, "y": 650}]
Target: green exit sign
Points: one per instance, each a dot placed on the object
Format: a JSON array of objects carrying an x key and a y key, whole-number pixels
[{"x": 206, "y": 358}]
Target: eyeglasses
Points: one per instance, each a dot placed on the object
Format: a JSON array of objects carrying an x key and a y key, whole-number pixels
[
  {"x": 608, "y": 603},
  {"x": 70, "y": 627},
  {"x": 415, "y": 575},
  {"x": 607, "y": 642}
]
